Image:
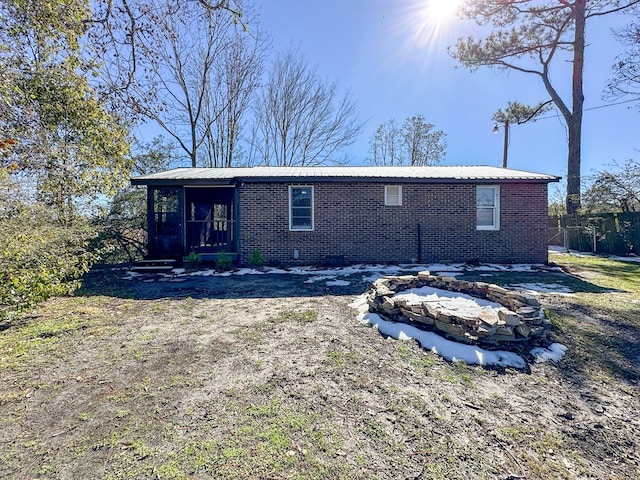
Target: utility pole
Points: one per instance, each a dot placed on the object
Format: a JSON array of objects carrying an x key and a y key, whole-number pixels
[
  {"x": 506, "y": 143},
  {"x": 505, "y": 149},
  {"x": 518, "y": 114}
]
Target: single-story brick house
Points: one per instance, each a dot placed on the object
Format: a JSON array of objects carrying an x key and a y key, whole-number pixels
[{"x": 359, "y": 214}]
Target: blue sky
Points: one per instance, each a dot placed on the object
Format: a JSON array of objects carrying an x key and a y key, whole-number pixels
[{"x": 396, "y": 65}]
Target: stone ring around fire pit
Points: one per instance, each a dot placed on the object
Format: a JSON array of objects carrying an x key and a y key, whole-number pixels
[{"x": 493, "y": 315}]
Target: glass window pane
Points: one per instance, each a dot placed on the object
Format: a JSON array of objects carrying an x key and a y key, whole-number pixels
[
  {"x": 301, "y": 212},
  {"x": 302, "y": 202},
  {"x": 485, "y": 217},
  {"x": 298, "y": 222},
  {"x": 485, "y": 197}
]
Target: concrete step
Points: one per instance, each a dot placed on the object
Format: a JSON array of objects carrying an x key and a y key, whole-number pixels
[
  {"x": 152, "y": 268},
  {"x": 156, "y": 265}
]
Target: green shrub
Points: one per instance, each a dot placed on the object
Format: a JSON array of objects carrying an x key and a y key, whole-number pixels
[
  {"x": 39, "y": 260},
  {"x": 223, "y": 261},
  {"x": 256, "y": 259},
  {"x": 193, "y": 259}
]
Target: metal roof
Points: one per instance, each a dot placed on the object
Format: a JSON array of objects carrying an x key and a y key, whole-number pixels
[{"x": 203, "y": 176}]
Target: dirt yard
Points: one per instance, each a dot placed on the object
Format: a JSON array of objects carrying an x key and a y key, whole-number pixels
[{"x": 268, "y": 377}]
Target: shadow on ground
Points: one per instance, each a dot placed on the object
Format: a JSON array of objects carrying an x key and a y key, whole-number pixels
[
  {"x": 155, "y": 286},
  {"x": 115, "y": 282}
]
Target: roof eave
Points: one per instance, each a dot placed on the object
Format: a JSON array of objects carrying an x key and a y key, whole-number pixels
[{"x": 315, "y": 179}]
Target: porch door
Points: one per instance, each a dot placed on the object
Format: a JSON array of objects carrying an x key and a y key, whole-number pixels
[
  {"x": 210, "y": 220},
  {"x": 165, "y": 222}
]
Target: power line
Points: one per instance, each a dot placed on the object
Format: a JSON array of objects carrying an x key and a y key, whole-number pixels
[{"x": 593, "y": 108}]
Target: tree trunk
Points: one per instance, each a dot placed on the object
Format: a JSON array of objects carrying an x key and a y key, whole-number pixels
[{"x": 574, "y": 124}]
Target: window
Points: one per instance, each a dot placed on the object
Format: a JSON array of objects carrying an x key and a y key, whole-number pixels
[
  {"x": 393, "y": 195},
  {"x": 301, "y": 208},
  {"x": 488, "y": 208}
]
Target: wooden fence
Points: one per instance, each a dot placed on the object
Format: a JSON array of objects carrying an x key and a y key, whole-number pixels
[{"x": 609, "y": 233}]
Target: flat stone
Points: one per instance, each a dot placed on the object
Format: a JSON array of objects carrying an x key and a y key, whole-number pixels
[
  {"x": 404, "y": 279},
  {"x": 527, "y": 312},
  {"x": 506, "y": 330},
  {"x": 517, "y": 296},
  {"x": 502, "y": 338},
  {"x": 515, "y": 305},
  {"x": 415, "y": 309},
  {"x": 450, "y": 328},
  {"x": 383, "y": 291},
  {"x": 443, "y": 317},
  {"x": 495, "y": 289},
  {"x": 425, "y": 276},
  {"x": 400, "y": 302},
  {"x": 523, "y": 330},
  {"x": 486, "y": 331},
  {"x": 388, "y": 304},
  {"x": 449, "y": 280},
  {"x": 509, "y": 317},
  {"x": 537, "y": 331},
  {"x": 537, "y": 320},
  {"x": 429, "y": 310},
  {"x": 414, "y": 317},
  {"x": 425, "y": 320},
  {"x": 488, "y": 318},
  {"x": 531, "y": 301}
]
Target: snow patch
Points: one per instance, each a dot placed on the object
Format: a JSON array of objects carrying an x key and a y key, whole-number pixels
[
  {"x": 553, "y": 353},
  {"x": 448, "y": 302},
  {"x": 542, "y": 288}
]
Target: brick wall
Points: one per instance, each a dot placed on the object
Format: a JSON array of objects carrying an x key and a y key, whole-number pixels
[{"x": 351, "y": 219}]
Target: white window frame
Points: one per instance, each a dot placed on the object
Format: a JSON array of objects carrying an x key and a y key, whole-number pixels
[
  {"x": 496, "y": 208},
  {"x": 388, "y": 197},
  {"x": 298, "y": 228}
]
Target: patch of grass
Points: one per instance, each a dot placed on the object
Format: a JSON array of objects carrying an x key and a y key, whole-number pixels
[
  {"x": 336, "y": 357},
  {"x": 606, "y": 273},
  {"x": 424, "y": 364},
  {"x": 599, "y": 328},
  {"x": 304, "y": 316},
  {"x": 466, "y": 378},
  {"x": 403, "y": 351},
  {"x": 52, "y": 330},
  {"x": 261, "y": 440}
]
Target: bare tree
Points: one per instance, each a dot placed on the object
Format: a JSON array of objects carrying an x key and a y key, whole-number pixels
[
  {"x": 626, "y": 70},
  {"x": 385, "y": 146},
  {"x": 237, "y": 79},
  {"x": 530, "y": 36},
  {"x": 301, "y": 120},
  {"x": 424, "y": 145},
  {"x": 415, "y": 143},
  {"x": 168, "y": 60}
]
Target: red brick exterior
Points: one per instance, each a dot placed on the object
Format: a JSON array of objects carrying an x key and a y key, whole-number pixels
[{"x": 350, "y": 219}]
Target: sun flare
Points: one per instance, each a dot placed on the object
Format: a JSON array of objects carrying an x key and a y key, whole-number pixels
[
  {"x": 429, "y": 23},
  {"x": 441, "y": 10}
]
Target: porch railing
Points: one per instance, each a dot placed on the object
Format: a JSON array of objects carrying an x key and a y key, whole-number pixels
[{"x": 211, "y": 235}]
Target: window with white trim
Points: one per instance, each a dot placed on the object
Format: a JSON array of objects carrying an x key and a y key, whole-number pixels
[
  {"x": 393, "y": 195},
  {"x": 488, "y": 207},
  {"x": 300, "y": 208}
]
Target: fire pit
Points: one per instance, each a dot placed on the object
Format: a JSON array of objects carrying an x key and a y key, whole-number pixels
[{"x": 469, "y": 312}]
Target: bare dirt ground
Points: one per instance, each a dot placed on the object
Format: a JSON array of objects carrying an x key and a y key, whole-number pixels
[{"x": 268, "y": 377}]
